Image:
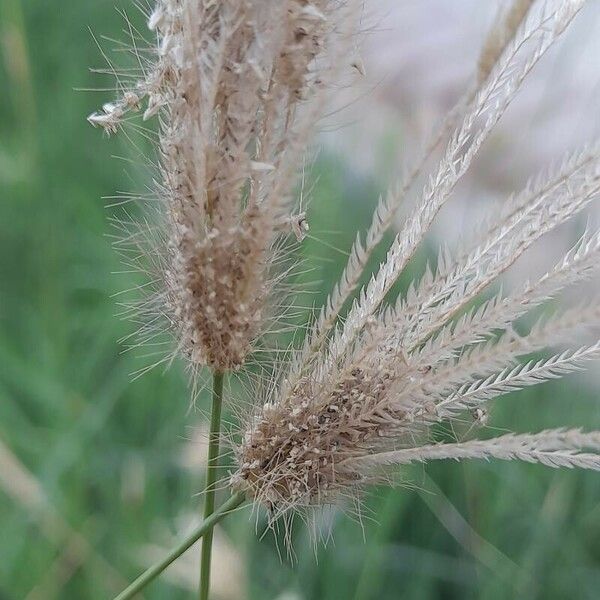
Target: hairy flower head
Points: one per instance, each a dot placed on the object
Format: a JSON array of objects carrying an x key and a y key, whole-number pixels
[
  {"x": 237, "y": 86},
  {"x": 364, "y": 392}
]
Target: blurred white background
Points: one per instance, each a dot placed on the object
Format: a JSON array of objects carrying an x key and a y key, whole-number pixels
[{"x": 419, "y": 57}]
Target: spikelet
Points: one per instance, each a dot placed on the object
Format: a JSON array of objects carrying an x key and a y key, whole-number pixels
[
  {"x": 500, "y": 35},
  {"x": 499, "y": 39},
  {"x": 363, "y": 393},
  {"x": 557, "y": 448},
  {"x": 238, "y": 86}
]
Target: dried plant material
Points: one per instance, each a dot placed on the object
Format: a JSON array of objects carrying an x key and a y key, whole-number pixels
[
  {"x": 364, "y": 391},
  {"x": 500, "y": 35},
  {"x": 238, "y": 87},
  {"x": 556, "y": 448}
]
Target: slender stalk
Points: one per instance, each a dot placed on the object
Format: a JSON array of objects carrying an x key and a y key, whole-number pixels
[
  {"x": 206, "y": 526},
  {"x": 211, "y": 477}
]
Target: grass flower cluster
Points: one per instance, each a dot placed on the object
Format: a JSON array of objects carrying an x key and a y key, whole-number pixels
[
  {"x": 367, "y": 390},
  {"x": 237, "y": 88}
]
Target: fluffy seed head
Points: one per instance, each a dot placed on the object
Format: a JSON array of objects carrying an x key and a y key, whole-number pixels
[
  {"x": 293, "y": 452},
  {"x": 364, "y": 391},
  {"x": 238, "y": 86}
]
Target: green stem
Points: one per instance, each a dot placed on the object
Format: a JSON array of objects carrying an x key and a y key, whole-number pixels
[
  {"x": 206, "y": 526},
  {"x": 211, "y": 477}
]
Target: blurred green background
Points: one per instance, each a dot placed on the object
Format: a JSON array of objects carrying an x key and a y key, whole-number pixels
[{"x": 91, "y": 467}]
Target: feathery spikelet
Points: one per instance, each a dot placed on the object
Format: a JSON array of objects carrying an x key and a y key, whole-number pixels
[
  {"x": 556, "y": 448},
  {"x": 238, "y": 88},
  {"x": 500, "y": 35},
  {"x": 363, "y": 392}
]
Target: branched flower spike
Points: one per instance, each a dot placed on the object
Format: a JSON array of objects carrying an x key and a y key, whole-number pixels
[
  {"x": 364, "y": 392},
  {"x": 238, "y": 86}
]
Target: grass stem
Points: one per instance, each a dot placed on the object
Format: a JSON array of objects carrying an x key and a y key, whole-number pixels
[
  {"x": 205, "y": 527},
  {"x": 211, "y": 477}
]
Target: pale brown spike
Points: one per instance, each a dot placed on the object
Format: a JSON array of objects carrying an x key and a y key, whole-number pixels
[{"x": 227, "y": 85}]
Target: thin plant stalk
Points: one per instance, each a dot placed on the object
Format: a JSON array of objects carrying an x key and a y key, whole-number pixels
[
  {"x": 211, "y": 477},
  {"x": 203, "y": 529}
]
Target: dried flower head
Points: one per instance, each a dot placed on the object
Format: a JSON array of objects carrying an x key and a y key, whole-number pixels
[
  {"x": 238, "y": 86},
  {"x": 364, "y": 391}
]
